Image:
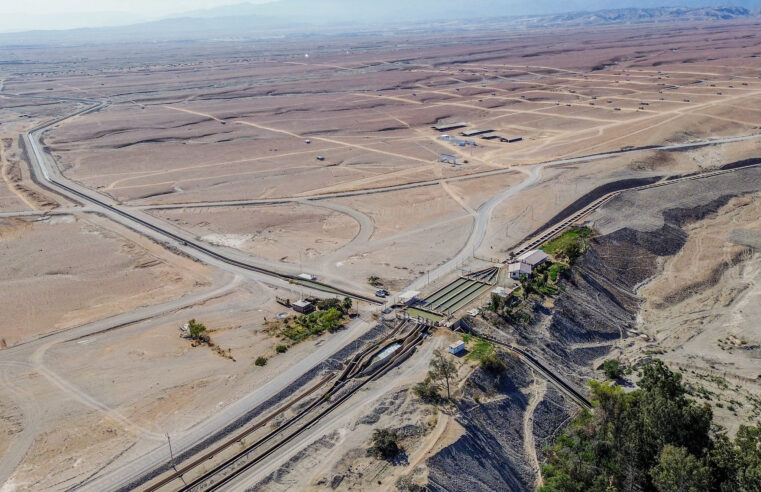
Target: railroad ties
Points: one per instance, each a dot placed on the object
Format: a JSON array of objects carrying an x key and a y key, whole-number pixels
[{"x": 371, "y": 363}]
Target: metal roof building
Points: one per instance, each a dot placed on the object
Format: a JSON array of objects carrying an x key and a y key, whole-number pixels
[
  {"x": 471, "y": 133},
  {"x": 449, "y": 126}
]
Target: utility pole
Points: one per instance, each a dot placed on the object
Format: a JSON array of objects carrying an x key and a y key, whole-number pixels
[{"x": 171, "y": 454}]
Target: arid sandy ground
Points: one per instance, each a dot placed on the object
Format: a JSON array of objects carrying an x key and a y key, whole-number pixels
[
  {"x": 699, "y": 309},
  {"x": 234, "y": 129},
  {"x": 186, "y": 128}
]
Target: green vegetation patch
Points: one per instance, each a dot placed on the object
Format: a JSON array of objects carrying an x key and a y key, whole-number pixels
[
  {"x": 479, "y": 349},
  {"x": 655, "y": 438},
  {"x": 555, "y": 270},
  {"x": 483, "y": 351},
  {"x": 298, "y": 328},
  {"x": 570, "y": 244}
]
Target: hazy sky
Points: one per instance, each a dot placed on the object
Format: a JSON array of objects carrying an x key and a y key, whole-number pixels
[
  {"x": 141, "y": 7},
  {"x": 23, "y": 15}
]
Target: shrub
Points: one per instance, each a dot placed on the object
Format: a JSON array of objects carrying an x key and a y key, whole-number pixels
[
  {"x": 492, "y": 363},
  {"x": 427, "y": 390},
  {"x": 613, "y": 369},
  {"x": 196, "y": 330},
  {"x": 346, "y": 304},
  {"x": 281, "y": 349},
  {"x": 330, "y": 303},
  {"x": 260, "y": 361},
  {"x": 315, "y": 323},
  {"x": 384, "y": 444},
  {"x": 375, "y": 281}
]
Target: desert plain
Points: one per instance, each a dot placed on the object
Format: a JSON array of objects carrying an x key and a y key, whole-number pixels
[{"x": 322, "y": 157}]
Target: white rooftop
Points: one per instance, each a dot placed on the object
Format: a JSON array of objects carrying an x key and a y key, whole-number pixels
[
  {"x": 519, "y": 267},
  {"x": 533, "y": 257},
  {"x": 301, "y": 303}
]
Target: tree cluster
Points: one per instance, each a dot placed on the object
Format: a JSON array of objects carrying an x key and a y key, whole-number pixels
[
  {"x": 333, "y": 303},
  {"x": 652, "y": 439},
  {"x": 314, "y": 323},
  {"x": 613, "y": 369}
]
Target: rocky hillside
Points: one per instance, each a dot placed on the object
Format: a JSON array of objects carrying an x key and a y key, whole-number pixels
[{"x": 595, "y": 317}]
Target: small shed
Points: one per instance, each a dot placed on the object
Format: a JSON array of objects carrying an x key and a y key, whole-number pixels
[
  {"x": 511, "y": 139},
  {"x": 302, "y": 306},
  {"x": 519, "y": 268},
  {"x": 457, "y": 347}
]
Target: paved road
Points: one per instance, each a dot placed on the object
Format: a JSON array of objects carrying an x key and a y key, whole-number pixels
[
  {"x": 485, "y": 210},
  {"x": 432, "y": 182},
  {"x": 158, "y": 455},
  {"x": 345, "y": 416},
  {"x": 126, "y": 472},
  {"x": 159, "y": 230}
]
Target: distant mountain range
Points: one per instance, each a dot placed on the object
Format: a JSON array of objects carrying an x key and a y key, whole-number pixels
[
  {"x": 362, "y": 11},
  {"x": 308, "y": 17}
]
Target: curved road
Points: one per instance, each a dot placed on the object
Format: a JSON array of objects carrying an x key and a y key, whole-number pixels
[{"x": 152, "y": 227}]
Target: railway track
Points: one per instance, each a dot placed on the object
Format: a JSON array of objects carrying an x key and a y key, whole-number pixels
[
  {"x": 52, "y": 184},
  {"x": 537, "y": 365},
  {"x": 556, "y": 229},
  {"x": 358, "y": 372}
]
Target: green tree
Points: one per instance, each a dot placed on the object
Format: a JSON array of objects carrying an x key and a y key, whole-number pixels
[
  {"x": 572, "y": 252},
  {"x": 442, "y": 369},
  {"x": 197, "y": 331},
  {"x": 748, "y": 447},
  {"x": 329, "y": 303},
  {"x": 281, "y": 349},
  {"x": 613, "y": 369},
  {"x": 496, "y": 303},
  {"x": 260, "y": 361},
  {"x": 385, "y": 444},
  {"x": 375, "y": 281},
  {"x": 621, "y": 440},
  {"x": 679, "y": 471},
  {"x": 347, "y": 304}
]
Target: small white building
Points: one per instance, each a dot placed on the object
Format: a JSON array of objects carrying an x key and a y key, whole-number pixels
[
  {"x": 457, "y": 347},
  {"x": 533, "y": 258},
  {"x": 519, "y": 268}
]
